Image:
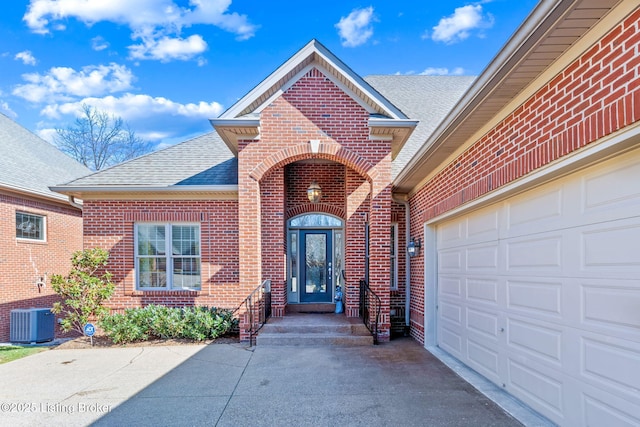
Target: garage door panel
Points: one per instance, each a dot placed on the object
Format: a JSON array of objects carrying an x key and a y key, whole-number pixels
[
  {"x": 542, "y": 297},
  {"x": 536, "y": 255},
  {"x": 450, "y": 340},
  {"x": 483, "y": 322},
  {"x": 451, "y": 235},
  {"x": 602, "y": 409},
  {"x": 541, "y": 211},
  {"x": 611, "y": 188},
  {"x": 535, "y": 340},
  {"x": 614, "y": 249},
  {"x": 483, "y": 291},
  {"x": 482, "y": 258},
  {"x": 450, "y": 286},
  {"x": 451, "y": 261},
  {"x": 483, "y": 227},
  {"x": 483, "y": 359},
  {"x": 451, "y": 312},
  {"x": 611, "y": 363},
  {"x": 613, "y": 309},
  {"x": 543, "y": 392}
]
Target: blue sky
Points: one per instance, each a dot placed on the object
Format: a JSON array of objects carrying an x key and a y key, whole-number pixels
[{"x": 167, "y": 66}]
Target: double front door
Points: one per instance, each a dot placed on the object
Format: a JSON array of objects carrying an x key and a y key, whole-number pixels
[{"x": 315, "y": 265}]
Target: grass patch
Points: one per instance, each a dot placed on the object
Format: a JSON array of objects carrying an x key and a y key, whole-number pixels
[{"x": 13, "y": 352}]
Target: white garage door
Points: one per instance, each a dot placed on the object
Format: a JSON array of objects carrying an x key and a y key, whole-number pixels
[{"x": 540, "y": 293}]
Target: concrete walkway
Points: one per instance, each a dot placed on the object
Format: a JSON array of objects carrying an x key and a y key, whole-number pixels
[{"x": 393, "y": 384}]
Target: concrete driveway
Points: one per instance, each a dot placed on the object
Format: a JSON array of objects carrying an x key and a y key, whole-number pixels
[{"x": 393, "y": 384}]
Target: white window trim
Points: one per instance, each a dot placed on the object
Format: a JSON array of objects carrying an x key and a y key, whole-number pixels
[
  {"x": 394, "y": 257},
  {"x": 44, "y": 228},
  {"x": 168, "y": 255}
]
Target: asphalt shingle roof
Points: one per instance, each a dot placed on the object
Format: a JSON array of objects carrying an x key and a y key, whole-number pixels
[
  {"x": 424, "y": 98},
  {"x": 31, "y": 164},
  {"x": 204, "y": 160}
]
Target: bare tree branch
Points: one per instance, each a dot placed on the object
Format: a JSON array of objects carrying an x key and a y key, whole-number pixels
[{"x": 100, "y": 140}]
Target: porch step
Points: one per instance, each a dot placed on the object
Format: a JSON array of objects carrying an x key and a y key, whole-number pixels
[
  {"x": 320, "y": 307},
  {"x": 301, "y": 329}
]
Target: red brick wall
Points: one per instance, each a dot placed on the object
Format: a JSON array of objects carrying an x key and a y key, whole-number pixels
[
  {"x": 273, "y": 238},
  {"x": 596, "y": 95},
  {"x": 110, "y": 225},
  {"x": 23, "y": 262}
]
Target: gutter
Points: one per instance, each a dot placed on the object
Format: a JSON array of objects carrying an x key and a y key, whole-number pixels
[
  {"x": 72, "y": 202},
  {"x": 407, "y": 263},
  {"x": 144, "y": 188}
]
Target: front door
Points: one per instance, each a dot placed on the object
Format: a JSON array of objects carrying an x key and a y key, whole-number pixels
[{"x": 315, "y": 257}]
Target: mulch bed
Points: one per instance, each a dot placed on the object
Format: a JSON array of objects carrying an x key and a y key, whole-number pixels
[{"x": 102, "y": 341}]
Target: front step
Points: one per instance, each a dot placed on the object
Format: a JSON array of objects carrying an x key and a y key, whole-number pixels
[
  {"x": 317, "y": 307},
  {"x": 314, "y": 330}
]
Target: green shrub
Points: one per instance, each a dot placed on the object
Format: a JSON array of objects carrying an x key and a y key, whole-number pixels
[
  {"x": 157, "y": 321},
  {"x": 83, "y": 291}
]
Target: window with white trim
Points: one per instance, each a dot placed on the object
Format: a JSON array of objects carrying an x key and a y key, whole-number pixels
[
  {"x": 394, "y": 256},
  {"x": 167, "y": 256},
  {"x": 30, "y": 226}
]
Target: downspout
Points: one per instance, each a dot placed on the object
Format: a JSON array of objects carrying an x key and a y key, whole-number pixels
[
  {"x": 407, "y": 263},
  {"x": 72, "y": 202}
]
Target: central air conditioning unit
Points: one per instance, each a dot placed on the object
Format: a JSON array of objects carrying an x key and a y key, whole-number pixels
[{"x": 32, "y": 325}]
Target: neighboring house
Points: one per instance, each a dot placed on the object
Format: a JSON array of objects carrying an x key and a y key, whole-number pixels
[
  {"x": 39, "y": 229},
  {"x": 519, "y": 191}
]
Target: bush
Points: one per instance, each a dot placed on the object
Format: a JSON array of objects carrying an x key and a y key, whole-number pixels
[
  {"x": 83, "y": 291},
  {"x": 157, "y": 321}
]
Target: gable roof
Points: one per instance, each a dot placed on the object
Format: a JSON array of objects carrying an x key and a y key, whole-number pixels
[
  {"x": 202, "y": 164},
  {"x": 29, "y": 165},
  {"x": 241, "y": 120},
  {"x": 427, "y": 99}
]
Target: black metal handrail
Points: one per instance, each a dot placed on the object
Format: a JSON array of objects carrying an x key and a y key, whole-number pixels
[
  {"x": 257, "y": 310},
  {"x": 367, "y": 296}
]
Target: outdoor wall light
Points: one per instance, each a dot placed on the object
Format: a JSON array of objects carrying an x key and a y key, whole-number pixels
[
  {"x": 413, "y": 247},
  {"x": 314, "y": 192}
]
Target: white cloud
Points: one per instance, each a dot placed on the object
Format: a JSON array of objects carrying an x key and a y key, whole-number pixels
[
  {"x": 166, "y": 49},
  {"x": 145, "y": 114},
  {"x": 48, "y": 134},
  {"x": 156, "y": 22},
  {"x": 26, "y": 57},
  {"x": 99, "y": 43},
  {"x": 356, "y": 28},
  {"x": 442, "y": 71},
  {"x": 63, "y": 83},
  {"x": 6, "y": 110},
  {"x": 458, "y": 27}
]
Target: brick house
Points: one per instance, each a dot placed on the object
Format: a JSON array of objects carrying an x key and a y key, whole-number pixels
[
  {"x": 517, "y": 191},
  {"x": 39, "y": 229}
]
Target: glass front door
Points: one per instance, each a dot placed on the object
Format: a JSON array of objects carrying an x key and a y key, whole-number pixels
[{"x": 315, "y": 262}]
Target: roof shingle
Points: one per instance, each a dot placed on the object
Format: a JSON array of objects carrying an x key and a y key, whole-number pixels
[{"x": 29, "y": 163}]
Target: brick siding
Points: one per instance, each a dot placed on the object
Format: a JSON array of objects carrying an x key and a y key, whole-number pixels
[{"x": 110, "y": 224}]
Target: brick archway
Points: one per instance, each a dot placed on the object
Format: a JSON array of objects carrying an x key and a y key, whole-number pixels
[
  {"x": 315, "y": 207},
  {"x": 326, "y": 150}
]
